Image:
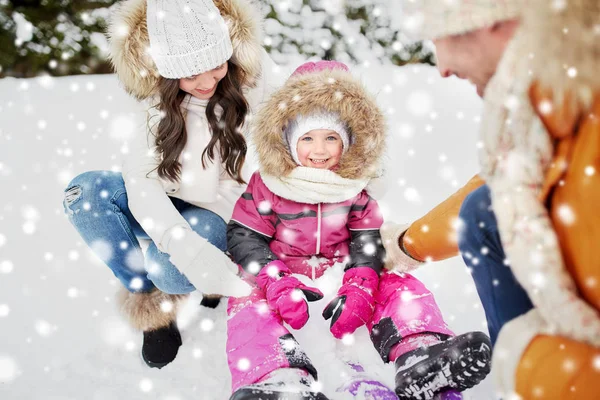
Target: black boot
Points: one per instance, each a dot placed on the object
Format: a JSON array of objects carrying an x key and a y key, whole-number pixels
[
  {"x": 161, "y": 345},
  {"x": 458, "y": 363},
  {"x": 283, "y": 384},
  {"x": 210, "y": 301}
]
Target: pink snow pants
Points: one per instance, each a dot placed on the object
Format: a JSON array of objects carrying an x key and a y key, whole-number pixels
[{"x": 258, "y": 343}]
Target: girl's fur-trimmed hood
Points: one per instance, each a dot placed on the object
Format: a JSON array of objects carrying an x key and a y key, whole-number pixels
[
  {"x": 129, "y": 41},
  {"x": 333, "y": 91},
  {"x": 564, "y": 46}
]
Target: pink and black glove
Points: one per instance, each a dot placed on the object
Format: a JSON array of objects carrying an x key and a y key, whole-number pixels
[
  {"x": 286, "y": 294},
  {"x": 354, "y": 303}
]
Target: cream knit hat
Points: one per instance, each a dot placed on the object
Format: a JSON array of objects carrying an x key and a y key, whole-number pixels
[
  {"x": 304, "y": 124},
  {"x": 432, "y": 19},
  {"x": 187, "y": 37}
]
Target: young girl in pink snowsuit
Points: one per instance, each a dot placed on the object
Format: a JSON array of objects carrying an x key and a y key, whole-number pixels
[{"x": 319, "y": 140}]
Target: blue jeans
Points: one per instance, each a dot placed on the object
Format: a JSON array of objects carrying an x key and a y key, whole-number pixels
[
  {"x": 502, "y": 296},
  {"x": 96, "y": 203}
]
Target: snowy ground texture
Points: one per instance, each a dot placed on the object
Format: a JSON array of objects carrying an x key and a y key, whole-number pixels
[{"x": 62, "y": 337}]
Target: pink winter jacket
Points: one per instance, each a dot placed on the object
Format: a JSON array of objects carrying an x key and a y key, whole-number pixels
[{"x": 267, "y": 227}]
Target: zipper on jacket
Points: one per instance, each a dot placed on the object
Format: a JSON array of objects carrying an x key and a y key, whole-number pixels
[
  {"x": 318, "y": 238},
  {"x": 318, "y": 229}
]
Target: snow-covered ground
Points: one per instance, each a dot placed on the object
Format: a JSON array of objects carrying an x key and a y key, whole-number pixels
[{"x": 62, "y": 337}]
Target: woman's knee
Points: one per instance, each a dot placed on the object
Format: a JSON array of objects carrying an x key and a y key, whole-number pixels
[
  {"x": 91, "y": 188},
  {"x": 208, "y": 225}
]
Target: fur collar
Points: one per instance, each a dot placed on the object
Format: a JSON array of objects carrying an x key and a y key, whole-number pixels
[
  {"x": 128, "y": 37},
  {"x": 564, "y": 47},
  {"x": 333, "y": 91}
]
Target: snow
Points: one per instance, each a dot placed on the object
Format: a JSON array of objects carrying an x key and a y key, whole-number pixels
[{"x": 62, "y": 336}]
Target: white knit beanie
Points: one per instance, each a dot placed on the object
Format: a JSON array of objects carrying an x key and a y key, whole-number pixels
[
  {"x": 187, "y": 37},
  {"x": 304, "y": 124},
  {"x": 432, "y": 19}
]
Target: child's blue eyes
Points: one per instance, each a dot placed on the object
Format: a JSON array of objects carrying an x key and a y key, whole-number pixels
[{"x": 308, "y": 138}]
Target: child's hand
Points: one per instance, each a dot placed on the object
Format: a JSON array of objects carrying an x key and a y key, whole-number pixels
[
  {"x": 354, "y": 303},
  {"x": 286, "y": 294}
]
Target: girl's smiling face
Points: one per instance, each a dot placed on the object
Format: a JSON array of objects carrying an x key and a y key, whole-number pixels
[
  {"x": 320, "y": 148},
  {"x": 204, "y": 85}
]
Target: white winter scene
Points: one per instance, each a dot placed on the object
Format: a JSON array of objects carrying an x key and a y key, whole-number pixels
[{"x": 62, "y": 335}]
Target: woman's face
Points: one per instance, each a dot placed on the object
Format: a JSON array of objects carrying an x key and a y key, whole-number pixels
[{"x": 204, "y": 85}]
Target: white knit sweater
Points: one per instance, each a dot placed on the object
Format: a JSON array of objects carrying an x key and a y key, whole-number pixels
[{"x": 209, "y": 188}]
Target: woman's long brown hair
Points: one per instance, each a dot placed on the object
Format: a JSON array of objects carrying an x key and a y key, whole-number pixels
[{"x": 171, "y": 135}]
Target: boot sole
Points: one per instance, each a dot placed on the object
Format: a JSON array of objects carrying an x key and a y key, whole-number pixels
[
  {"x": 151, "y": 364},
  {"x": 255, "y": 394},
  {"x": 460, "y": 367}
]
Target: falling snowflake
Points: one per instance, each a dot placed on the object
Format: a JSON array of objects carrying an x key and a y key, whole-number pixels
[
  {"x": 6, "y": 267},
  {"x": 8, "y": 369},
  {"x": 568, "y": 365},
  {"x": 596, "y": 362},
  {"x": 348, "y": 339},
  {"x": 566, "y": 214},
  {"x": 166, "y": 306},
  {"x": 130, "y": 345},
  {"x": 103, "y": 249},
  {"x": 412, "y": 195},
  {"x": 207, "y": 325},
  {"x": 136, "y": 284},
  {"x": 146, "y": 385},
  {"x": 73, "y": 255},
  {"x": 264, "y": 207},
  {"x": 44, "y": 328},
  {"x": 197, "y": 352},
  {"x": 243, "y": 364},
  {"x": 297, "y": 295},
  {"x": 369, "y": 249},
  {"x": 590, "y": 170},
  {"x": 253, "y": 267},
  {"x": 4, "y": 310}
]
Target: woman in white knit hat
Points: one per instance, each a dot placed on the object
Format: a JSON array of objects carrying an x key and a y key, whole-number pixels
[{"x": 199, "y": 68}]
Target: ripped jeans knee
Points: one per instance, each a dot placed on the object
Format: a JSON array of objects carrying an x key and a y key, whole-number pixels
[{"x": 72, "y": 195}]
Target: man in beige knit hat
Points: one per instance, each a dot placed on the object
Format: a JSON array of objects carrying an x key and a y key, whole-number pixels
[
  {"x": 469, "y": 35},
  {"x": 470, "y": 38},
  {"x": 535, "y": 64}
]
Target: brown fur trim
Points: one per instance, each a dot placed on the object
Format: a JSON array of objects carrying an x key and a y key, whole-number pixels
[
  {"x": 564, "y": 43},
  {"x": 333, "y": 91},
  {"x": 245, "y": 28},
  {"x": 128, "y": 39},
  {"x": 144, "y": 311}
]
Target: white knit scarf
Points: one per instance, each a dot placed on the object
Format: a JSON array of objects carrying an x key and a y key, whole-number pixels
[{"x": 313, "y": 186}]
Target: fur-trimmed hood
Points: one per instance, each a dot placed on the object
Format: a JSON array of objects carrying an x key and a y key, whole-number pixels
[
  {"x": 565, "y": 46},
  {"x": 128, "y": 37},
  {"x": 333, "y": 91}
]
